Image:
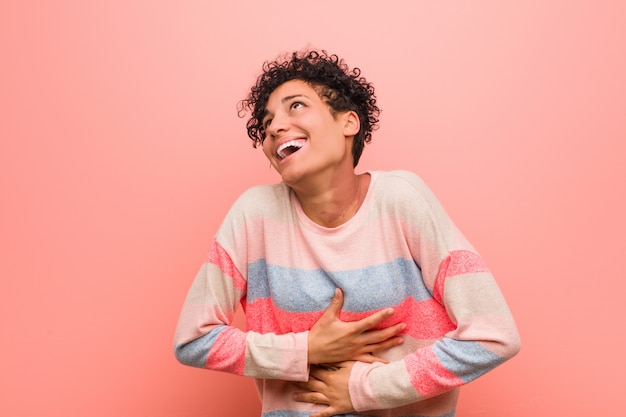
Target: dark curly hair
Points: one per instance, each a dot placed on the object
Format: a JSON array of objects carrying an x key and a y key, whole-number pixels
[{"x": 341, "y": 87}]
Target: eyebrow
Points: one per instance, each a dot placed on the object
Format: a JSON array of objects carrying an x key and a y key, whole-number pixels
[
  {"x": 283, "y": 100},
  {"x": 292, "y": 97}
]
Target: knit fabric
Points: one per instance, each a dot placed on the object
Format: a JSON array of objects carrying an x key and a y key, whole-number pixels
[{"x": 400, "y": 250}]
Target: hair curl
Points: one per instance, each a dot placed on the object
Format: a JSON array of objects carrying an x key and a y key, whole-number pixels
[{"x": 342, "y": 88}]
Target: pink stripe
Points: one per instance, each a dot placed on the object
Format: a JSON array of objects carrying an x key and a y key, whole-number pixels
[
  {"x": 426, "y": 320},
  {"x": 360, "y": 244},
  {"x": 264, "y": 317},
  {"x": 428, "y": 376},
  {"x": 459, "y": 262},
  {"x": 465, "y": 262},
  {"x": 228, "y": 353},
  {"x": 219, "y": 257}
]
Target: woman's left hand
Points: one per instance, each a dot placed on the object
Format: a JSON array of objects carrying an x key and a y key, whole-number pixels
[{"x": 328, "y": 385}]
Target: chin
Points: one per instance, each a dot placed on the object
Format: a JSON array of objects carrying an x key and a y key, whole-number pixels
[{"x": 290, "y": 177}]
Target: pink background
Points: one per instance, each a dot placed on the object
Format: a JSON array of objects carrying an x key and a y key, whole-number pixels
[{"x": 121, "y": 151}]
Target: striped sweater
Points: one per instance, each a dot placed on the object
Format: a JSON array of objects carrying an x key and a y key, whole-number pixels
[{"x": 400, "y": 250}]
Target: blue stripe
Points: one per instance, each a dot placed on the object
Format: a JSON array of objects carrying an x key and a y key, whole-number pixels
[
  {"x": 286, "y": 413},
  {"x": 293, "y": 413},
  {"x": 466, "y": 359},
  {"x": 370, "y": 288},
  {"x": 195, "y": 352}
]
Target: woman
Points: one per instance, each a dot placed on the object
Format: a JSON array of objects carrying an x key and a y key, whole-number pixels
[{"x": 360, "y": 294}]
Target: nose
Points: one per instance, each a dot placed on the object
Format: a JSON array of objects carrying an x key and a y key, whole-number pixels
[{"x": 279, "y": 124}]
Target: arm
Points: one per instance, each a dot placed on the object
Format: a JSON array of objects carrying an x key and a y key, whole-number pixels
[
  {"x": 479, "y": 332},
  {"x": 206, "y": 339}
]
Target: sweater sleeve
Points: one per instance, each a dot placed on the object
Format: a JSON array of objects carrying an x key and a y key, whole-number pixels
[
  {"x": 483, "y": 332},
  {"x": 205, "y": 337}
]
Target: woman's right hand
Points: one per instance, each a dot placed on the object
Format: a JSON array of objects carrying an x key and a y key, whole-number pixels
[{"x": 332, "y": 340}]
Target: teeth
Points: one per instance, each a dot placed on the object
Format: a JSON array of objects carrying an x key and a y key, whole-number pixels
[{"x": 298, "y": 143}]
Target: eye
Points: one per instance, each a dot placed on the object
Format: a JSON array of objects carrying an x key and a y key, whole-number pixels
[
  {"x": 266, "y": 123},
  {"x": 296, "y": 105}
]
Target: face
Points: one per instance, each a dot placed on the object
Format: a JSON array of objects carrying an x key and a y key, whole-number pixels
[{"x": 303, "y": 137}]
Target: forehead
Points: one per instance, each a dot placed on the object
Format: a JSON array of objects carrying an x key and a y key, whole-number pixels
[{"x": 291, "y": 88}]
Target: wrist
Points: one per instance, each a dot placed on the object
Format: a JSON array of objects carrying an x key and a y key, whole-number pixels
[
  {"x": 361, "y": 394},
  {"x": 312, "y": 357}
]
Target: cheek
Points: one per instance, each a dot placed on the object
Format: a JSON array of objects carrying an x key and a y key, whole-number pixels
[{"x": 266, "y": 149}]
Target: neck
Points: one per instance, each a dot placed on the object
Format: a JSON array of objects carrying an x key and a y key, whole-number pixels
[{"x": 337, "y": 202}]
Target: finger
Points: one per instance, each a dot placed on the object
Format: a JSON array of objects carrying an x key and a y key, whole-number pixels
[
  {"x": 321, "y": 374},
  {"x": 302, "y": 385},
  {"x": 385, "y": 344},
  {"x": 310, "y": 397},
  {"x": 330, "y": 411},
  {"x": 327, "y": 412},
  {"x": 369, "y": 358},
  {"x": 318, "y": 376},
  {"x": 313, "y": 384},
  {"x": 327, "y": 366},
  {"x": 373, "y": 319},
  {"x": 332, "y": 311},
  {"x": 378, "y": 336}
]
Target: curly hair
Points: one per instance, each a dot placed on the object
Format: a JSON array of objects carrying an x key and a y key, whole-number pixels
[{"x": 342, "y": 88}]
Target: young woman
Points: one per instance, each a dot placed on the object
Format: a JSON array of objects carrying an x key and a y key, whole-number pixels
[{"x": 359, "y": 292}]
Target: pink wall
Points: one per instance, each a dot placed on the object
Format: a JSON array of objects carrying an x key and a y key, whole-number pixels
[{"x": 121, "y": 151}]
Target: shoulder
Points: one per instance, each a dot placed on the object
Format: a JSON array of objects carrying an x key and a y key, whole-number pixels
[
  {"x": 251, "y": 210},
  {"x": 261, "y": 199},
  {"x": 400, "y": 184},
  {"x": 258, "y": 203},
  {"x": 405, "y": 193}
]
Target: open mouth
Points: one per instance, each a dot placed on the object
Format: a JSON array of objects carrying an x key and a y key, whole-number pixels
[{"x": 290, "y": 147}]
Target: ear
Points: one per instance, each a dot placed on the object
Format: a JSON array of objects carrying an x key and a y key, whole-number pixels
[{"x": 351, "y": 123}]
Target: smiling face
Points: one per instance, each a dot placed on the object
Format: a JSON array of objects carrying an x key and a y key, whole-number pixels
[{"x": 303, "y": 137}]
